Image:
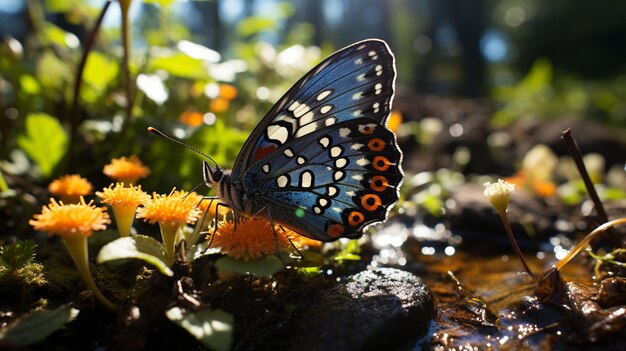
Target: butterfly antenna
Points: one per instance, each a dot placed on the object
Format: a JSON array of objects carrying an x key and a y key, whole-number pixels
[{"x": 163, "y": 135}]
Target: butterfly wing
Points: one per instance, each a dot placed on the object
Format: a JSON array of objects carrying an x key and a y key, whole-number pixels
[
  {"x": 322, "y": 162},
  {"x": 354, "y": 82}
]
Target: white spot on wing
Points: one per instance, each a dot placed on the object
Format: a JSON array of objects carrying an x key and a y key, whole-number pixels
[
  {"x": 360, "y": 77},
  {"x": 376, "y": 107},
  {"x": 332, "y": 191},
  {"x": 307, "y": 118},
  {"x": 323, "y": 94},
  {"x": 357, "y": 113},
  {"x": 344, "y": 132},
  {"x": 301, "y": 160},
  {"x": 266, "y": 168},
  {"x": 378, "y": 87},
  {"x": 357, "y": 96},
  {"x": 323, "y": 202},
  {"x": 356, "y": 146},
  {"x": 317, "y": 210},
  {"x": 361, "y": 47},
  {"x": 302, "y": 109},
  {"x": 338, "y": 175},
  {"x": 282, "y": 181},
  {"x": 330, "y": 121},
  {"x": 306, "y": 179},
  {"x": 288, "y": 152},
  {"x": 294, "y": 106},
  {"x": 341, "y": 162},
  {"x": 324, "y": 142},
  {"x": 358, "y": 61},
  {"x": 335, "y": 151},
  {"x": 304, "y": 130},
  {"x": 326, "y": 108},
  {"x": 350, "y": 193},
  {"x": 357, "y": 177},
  {"x": 278, "y": 133},
  {"x": 362, "y": 162}
]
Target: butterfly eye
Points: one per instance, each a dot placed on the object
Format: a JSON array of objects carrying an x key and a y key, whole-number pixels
[{"x": 217, "y": 175}]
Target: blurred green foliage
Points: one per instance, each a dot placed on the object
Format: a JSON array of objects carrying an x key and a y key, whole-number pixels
[{"x": 542, "y": 94}]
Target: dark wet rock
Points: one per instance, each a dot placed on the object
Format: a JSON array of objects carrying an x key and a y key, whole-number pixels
[
  {"x": 472, "y": 216},
  {"x": 380, "y": 309},
  {"x": 612, "y": 292}
]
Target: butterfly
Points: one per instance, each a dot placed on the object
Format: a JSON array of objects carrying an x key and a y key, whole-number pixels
[{"x": 322, "y": 161}]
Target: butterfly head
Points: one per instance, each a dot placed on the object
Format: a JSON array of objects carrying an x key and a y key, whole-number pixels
[{"x": 211, "y": 175}]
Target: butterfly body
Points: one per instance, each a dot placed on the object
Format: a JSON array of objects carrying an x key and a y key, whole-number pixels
[{"x": 322, "y": 161}]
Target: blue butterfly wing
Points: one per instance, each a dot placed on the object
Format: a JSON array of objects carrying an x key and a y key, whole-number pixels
[
  {"x": 346, "y": 85},
  {"x": 322, "y": 162}
]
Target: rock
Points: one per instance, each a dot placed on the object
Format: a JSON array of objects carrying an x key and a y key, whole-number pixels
[{"x": 380, "y": 309}]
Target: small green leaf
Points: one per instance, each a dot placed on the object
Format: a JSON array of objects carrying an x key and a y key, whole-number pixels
[
  {"x": 44, "y": 141},
  {"x": 99, "y": 72},
  {"x": 200, "y": 250},
  {"x": 162, "y": 3},
  {"x": 213, "y": 328},
  {"x": 255, "y": 24},
  {"x": 38, "y": 325},
  {"x": 29, "y": 84},
  {"x": 180, "y": 65},
  {"x": 263, "y": 267},
  {"x": 137, "y": 246}
]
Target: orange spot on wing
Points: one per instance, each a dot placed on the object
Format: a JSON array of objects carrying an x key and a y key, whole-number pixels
[
  {"x": 381, "y": 163},
  {"x": 371, "y": 202},
  {"x": 379, "y": 183},
  {"x": 355, "y": 218},
  {"x": 376, "y": 144}
]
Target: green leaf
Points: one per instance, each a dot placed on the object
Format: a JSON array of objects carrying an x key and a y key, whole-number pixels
[
  {"x": 53, "y": 74},
  {"x": 29, "y": 84},
  {"x": 44, "y": 141},
  {"x": 55, "y": 35},
  {"x": 200, "y": 250},
  {"x": 263, "y": 267},
  {"x": 255, "y": 24},
  {"x": 99, "y": 72},
  {"x": 180, "y": 65},
  {"x": 213, "y": 328},
  {"x": 137, "y": 246},
  {"x": 38, "y": 325}
]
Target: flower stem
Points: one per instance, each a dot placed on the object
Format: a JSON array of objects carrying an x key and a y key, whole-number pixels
[
  {"x": 573, "y": 252},
  {"x": 169, "y": 235},
  {"x": 77, "y": 248},
  {"x": 124, "y": 216},
  {"x": 509, "y": 233},
  {"x": 128, "y": 82}
]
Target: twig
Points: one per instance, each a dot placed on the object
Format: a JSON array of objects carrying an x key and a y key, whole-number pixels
[
  {"x": 74, "y": 114},
  {"x": 574, "y": 151}
]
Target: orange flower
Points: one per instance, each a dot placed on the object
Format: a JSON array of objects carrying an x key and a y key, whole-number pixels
[
  {"x": 70, "y": 188},
  {"x": 124, "y": 202},
  {"x": 219, "y": 105},
  {"x": 254, "y": 238},
  {"x": 74, "y": 223},
  {"x": 69, "y": 221},
  {"x": 174, "y": 209},
  {"x": 394, "y": 121},
  {"x": 191, "y": 118},
  {"x": 228, "y": 91},
  {"x": 127, "y": 170},
  {"x": 172, "y": 212}
]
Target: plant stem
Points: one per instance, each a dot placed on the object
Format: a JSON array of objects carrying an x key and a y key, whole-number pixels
[
  {"x": 573, "y": 252},
  {"x": 128, "y": 82},
  {"x": 77, "y": 248},
  {"x": 75, "y": 110},
  {"x": 509, "y": 233},
  {"x": 574, "y": 151},
  {"x": 169, "y": 235}
]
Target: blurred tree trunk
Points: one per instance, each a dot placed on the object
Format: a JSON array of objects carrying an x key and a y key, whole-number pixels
[{"x": 212, "y": 29}]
